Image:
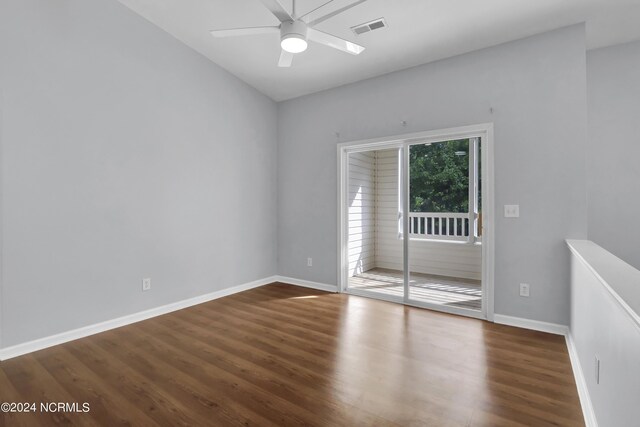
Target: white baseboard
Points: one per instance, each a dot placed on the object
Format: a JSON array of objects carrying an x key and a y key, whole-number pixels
[
  {"x": 42, "y": 343},
  {"x": 581, "y": 383},
  {"x": 307, "y": 283},
  {"x": 536, "y": 325}
]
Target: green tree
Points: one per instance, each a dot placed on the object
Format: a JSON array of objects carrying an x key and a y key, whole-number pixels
[{"x": 439, "y": 176}]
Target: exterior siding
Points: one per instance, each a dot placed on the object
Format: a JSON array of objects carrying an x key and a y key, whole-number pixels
[{"x": 362, "y": 212}]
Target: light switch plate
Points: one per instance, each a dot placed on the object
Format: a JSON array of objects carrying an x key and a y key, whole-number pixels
[{"x": 511, "y": 211}]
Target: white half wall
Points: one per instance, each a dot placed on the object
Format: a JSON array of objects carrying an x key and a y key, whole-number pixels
[
  {"x": 2, "y": 83},
  {"x": 533, "y": 90},
  {"x": 613, "y": 79},
  {"x": 605, "y": 326},
  {"x": 125, "y": 155}
]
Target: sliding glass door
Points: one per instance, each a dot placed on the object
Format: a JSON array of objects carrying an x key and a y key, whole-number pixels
[{"x": 412, "y": 222}]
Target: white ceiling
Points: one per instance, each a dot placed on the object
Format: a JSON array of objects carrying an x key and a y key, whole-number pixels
[{"x": 419, "y": 31}]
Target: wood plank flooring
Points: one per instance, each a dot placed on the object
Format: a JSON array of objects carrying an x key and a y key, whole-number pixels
[{"x": 281, "y": 355}]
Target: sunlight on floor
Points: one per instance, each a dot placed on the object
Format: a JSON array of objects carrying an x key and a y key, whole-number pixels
[{"x": 463, "y": 293}]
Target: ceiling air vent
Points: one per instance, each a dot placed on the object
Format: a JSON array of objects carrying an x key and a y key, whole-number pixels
[{"x": 369, "y": 26}]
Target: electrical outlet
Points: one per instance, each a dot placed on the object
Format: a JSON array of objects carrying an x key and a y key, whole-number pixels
[
  {"x": 511, "y": 211},
  {"x": 309, "y": 262},
  {"x": 146, "y": 284},
  {"x": 597, "y": 370},
  {"x": 524, "y": 289}
]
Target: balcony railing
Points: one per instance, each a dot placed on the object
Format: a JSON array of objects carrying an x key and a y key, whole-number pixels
[{"x": 441, "y": 226}]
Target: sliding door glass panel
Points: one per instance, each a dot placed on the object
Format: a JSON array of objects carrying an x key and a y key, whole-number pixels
[
  {"x": 444, "y": 259},
  {"x": 374, "y": 235}
]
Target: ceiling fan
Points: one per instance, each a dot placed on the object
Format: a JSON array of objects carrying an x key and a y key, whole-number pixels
[{"x": 294, "y": 31}]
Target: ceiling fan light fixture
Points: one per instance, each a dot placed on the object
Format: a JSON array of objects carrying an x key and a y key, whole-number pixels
[
  {"x": 295, "y": 33},
  {"x": 294, "y": 43},
  {"x": 293, "y": 36}
]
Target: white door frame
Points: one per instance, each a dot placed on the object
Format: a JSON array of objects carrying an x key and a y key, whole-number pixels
[{"x": 485, "y": 132}]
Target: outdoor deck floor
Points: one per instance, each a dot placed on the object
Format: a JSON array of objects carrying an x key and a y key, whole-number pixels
[{"x": 440, "y": 290}]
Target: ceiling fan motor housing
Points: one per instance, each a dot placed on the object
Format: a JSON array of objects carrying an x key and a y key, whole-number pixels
[{"x": 293, "y": 29}]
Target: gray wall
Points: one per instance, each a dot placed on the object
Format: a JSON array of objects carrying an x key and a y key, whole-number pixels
[
  {"x": 614, "y": 148},
  {"x": 124, "y": 155},
  {"x": 537, "y": 89}
]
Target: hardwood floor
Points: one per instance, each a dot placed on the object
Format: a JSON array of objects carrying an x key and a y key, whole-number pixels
[{"x": 282, "y": 355}]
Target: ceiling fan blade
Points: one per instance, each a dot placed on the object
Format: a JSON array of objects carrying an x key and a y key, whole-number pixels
[
  {"x": 278, "y": 10},
  {"x": 334, "y": 42},
  {"x": 313, "y": 10},
  {"x": 334, "y": 13},
  {"x": 249, "y": 31},
  {"x": 286, "y": 58}
]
